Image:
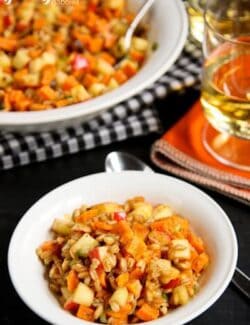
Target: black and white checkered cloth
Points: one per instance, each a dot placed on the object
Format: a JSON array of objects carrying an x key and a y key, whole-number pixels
[{"x": 136, "y": 116}]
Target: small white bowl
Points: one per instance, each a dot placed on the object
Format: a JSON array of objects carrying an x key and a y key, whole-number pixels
[
  {"x": 168, "y": 27},
  {"x": 206, "y": 218}
]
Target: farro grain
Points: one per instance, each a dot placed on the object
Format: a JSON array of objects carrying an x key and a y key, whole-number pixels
[
  {"x": 83, "y": 275},
  {"x": 65, "y": 265},
  {"x": 79, "y": 268},
  {"x": 114, "y": 249},
  {"x": 130, "y": 263},
  {"x": 98, "y": 311},
  {"x": 87, "y": 280},
  {"x": 114, "y": 306},
  {"x": 93, "y": 274},
  {"x": 109, "y": 240},
  {"x": 97, "y": 285},
  {"x": 123, "y": 265}
]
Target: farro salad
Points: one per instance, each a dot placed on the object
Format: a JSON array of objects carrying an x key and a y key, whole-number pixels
[
  {"x": 54, "y": 55},
  {"x": 123, "y": 263}
]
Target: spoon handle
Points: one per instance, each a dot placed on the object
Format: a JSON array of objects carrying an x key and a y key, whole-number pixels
[
  {"x": 142, "y": 12},
  {"x": 242, "y": 282}
]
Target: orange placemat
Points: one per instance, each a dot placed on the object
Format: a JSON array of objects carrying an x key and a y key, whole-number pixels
[{"x": 180, "y": 151}]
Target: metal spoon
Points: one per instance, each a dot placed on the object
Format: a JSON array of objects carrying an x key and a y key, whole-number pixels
[
  {"x": 118, "y": 161},
  {"x": 130, "y": 31}
]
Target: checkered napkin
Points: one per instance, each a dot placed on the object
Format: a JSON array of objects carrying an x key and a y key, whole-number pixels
[{"x": 136, "y": 116}]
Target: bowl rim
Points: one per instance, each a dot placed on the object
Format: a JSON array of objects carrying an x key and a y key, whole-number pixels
[
  {"x": 103, "y": 102},
  {"x": 214, "y": 296}
]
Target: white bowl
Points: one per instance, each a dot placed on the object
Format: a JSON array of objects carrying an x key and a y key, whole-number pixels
[
  {"x": 168, "y": 27},
  {"x": 206, "y": 218}
]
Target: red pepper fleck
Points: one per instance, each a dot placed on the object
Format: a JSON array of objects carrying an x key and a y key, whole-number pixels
[
  {"x": 6, "y": 21},
  {"x": 71, "y": 306},
  {"x": 172, "y": 284},
  {"x": 92, "y": 7},
  {"x": 94, "y": 253},
  {"x": 121, "y": 215},
  {"x": 79, "y": 62}
]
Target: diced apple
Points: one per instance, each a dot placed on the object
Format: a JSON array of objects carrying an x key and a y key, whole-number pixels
[
  {"x": 48, "y": 58},
  {"x": 169, "y": 274},
  {"x": 97, "y": 89},
  {"x": 36, "y": 65},
  {"x": 162, "y": 211},
  {"x": 119, "y": 49},
  {"x": 113, "y": 84},
  {"x": 118, "y": 299},
  {"x": 104, "y": 67},
  {"x": 140, "y": 44},
  {"x": 62, "y": 227},
  {"x": 83, "y": 295},
  {"x": 83, "y": 246},
  {"x": 99, "y": 252},
  {"x": 79, "y": 93},
  {"x": 135, "y": 287},
  {"x": 162, "y": 264},
  {"x": 120, "y": 27},
  {"x": 179, "y": 249},
  {"x": 129, "y": 62},
  {"x": 21, "y": 58},
  {"x": 114, "y": 4},
  {"x": 143, "y": 209},
  {"x": 5, "y": 60},
  {"x": 61, "y": 77},
  {"x": 180, "y": 296},
  {"x": 31, "y": 79}
]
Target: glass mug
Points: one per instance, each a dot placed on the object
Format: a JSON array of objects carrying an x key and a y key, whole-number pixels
[
  {"x": 226, "y": 81},
  {"x": 195, "y": 10}
]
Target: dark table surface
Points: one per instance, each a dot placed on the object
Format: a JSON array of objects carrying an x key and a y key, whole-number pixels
[{"x": 21, "y": 187}]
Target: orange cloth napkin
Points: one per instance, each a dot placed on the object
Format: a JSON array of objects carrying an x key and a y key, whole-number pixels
[{"x": 180, "y": 152}]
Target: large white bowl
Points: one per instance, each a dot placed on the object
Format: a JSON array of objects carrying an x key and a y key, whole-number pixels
[
  {"x": 168, "y": 27},
  {"x": 206, "y": 217}
]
